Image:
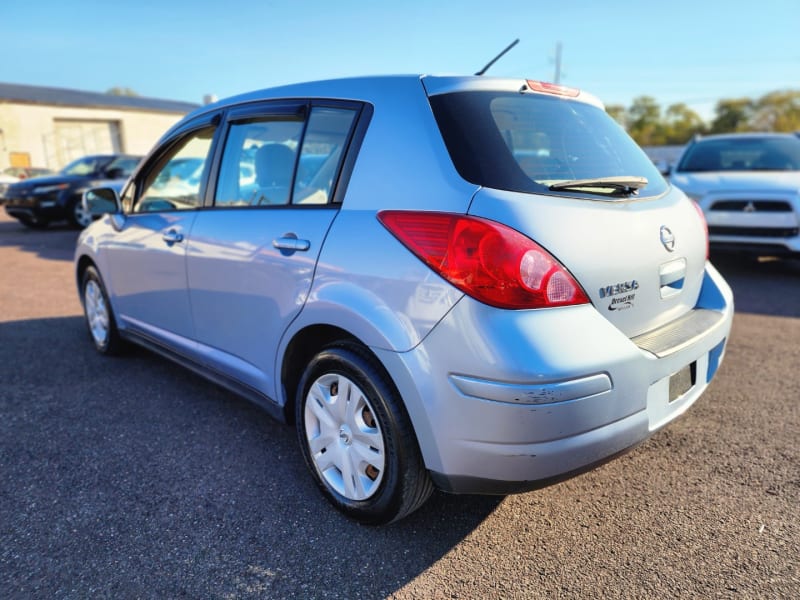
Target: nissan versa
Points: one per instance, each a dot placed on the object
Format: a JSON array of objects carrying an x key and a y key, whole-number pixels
[{"x": 472, "y": 284}]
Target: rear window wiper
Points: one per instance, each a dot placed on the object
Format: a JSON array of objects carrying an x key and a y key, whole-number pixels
[{"x": 624, "y": 185}]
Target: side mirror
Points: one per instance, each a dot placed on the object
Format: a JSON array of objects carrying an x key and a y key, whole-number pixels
[{"x": 101, "y": 201}]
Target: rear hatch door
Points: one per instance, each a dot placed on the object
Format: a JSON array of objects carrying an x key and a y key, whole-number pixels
[
  {"x": 553, "y": 165},
  {"x": 640, "y": 262}
]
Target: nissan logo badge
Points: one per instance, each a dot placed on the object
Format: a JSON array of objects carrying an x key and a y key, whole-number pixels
[{"x": 667, "y": 238}]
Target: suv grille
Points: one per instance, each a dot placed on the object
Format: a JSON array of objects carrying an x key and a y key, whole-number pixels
[{"x": 752, "y": 206}]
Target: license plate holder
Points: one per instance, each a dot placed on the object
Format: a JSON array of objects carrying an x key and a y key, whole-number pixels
[{"x": 682, "y": 381}]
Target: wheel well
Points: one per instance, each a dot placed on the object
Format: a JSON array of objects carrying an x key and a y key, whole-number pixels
[
  {"x": 305, "y": 344},
  {"x": 84, "y": 262}
]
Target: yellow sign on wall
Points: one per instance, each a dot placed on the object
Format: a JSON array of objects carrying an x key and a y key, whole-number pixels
[{"x": 19, "y": 159}]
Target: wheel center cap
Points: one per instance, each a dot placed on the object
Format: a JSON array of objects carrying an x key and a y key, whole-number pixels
[{"x": 345, "y": 435}]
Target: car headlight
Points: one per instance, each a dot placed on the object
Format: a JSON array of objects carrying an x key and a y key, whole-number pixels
[{"x": 46, "y": 189}]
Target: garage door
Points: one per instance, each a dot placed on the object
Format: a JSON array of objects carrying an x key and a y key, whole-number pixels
[{"x": 74, "y": 139}]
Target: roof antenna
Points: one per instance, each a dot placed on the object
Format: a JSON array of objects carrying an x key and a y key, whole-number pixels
[{"x": 496, "y": 58}]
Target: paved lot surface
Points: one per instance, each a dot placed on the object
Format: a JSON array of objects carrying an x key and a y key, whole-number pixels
[{"x": 132, "y": 477}]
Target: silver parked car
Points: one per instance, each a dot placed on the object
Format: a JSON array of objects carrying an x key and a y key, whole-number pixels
[
  {"x": 748, "y": 185},
  {"x": 472, "y": 284}
]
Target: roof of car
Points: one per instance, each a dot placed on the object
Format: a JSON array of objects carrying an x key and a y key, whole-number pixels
[
  {"x": 31, "y": 94},
  {"x": 373, "y": 87}
]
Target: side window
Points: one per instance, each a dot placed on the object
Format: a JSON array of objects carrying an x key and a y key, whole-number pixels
[
  {"x": 174, "y": 181},
  {"x": 321, "y": 154},
  {"x": 258, "y": 162}
]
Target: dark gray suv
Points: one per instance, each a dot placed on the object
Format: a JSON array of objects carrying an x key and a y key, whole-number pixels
[{"x": 38, "y": 202}]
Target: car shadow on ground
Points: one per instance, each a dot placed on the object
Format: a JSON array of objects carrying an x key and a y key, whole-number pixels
[
  {"x": 56, "y": 242},
  {"x": 132, "y": 476},
  {"x": 766, "y": 285}
]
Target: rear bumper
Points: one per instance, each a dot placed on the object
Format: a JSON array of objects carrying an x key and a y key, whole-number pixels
[{"x": 532, "y": 397}]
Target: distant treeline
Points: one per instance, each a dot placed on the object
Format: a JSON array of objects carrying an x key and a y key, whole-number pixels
[{"x": 649, "y": 126}]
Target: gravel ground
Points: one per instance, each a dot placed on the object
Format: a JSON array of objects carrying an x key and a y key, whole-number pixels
[{"x": 133, "y": 478}]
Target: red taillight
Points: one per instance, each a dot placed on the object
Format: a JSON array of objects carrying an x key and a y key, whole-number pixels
[
  {"x": 489, "y": 261},
  {"x": 705, "y": 225}
]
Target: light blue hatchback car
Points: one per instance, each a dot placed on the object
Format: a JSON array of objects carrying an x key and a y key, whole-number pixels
[{"x": 472, "y": 284}]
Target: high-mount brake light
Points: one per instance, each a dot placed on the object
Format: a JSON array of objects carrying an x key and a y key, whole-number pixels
[
  {"x": 488, "y": 261},
  {"x": 552, "y": 88}
]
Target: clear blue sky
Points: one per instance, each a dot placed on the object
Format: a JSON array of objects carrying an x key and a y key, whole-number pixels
[{"x": 692, "y": 51}]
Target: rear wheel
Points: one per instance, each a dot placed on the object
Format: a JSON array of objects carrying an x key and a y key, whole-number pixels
[
  {"x": 357, "y": 439},
  {"x": 99, "y": 317}
]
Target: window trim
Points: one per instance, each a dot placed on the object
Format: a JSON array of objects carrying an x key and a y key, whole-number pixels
[
  {"x": 163, "y": 148},
  {"x": 301, "y": 108}
]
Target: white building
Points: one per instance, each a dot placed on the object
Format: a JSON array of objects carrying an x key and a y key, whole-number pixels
[{"x": 49, "y": 127}]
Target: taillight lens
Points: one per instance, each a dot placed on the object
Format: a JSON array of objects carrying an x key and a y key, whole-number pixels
[
  {"x": 492, "y": 263},
  {"x": 705, "y": 225}
]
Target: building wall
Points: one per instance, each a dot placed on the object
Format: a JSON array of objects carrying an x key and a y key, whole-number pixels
[{"x": 53, "y": 135}]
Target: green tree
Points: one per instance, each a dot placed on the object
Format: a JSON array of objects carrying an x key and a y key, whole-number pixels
[
  {"x": 644, "y": 122},
  {"x": 681, "y": 123},
  {"x": 777, "y": 111},
  {"x": 732, "y": 115},
  {"x": 618, "y": 113}
]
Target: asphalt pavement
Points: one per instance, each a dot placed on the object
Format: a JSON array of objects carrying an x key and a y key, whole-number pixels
[{"x": 131, "y": 477}]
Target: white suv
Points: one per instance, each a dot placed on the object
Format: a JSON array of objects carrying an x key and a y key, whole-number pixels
[{"x": 748, "y": 185}]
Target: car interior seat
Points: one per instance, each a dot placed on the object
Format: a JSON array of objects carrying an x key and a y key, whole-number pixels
[{"x": 274, "y": 166}]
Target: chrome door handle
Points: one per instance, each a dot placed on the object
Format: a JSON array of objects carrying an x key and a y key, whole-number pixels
[
  {"x": 291, "y": 244},
  {"x": 172, "y": 237}
]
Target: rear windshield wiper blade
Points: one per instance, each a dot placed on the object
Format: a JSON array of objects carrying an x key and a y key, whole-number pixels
[{"x": 624, "y": 185}]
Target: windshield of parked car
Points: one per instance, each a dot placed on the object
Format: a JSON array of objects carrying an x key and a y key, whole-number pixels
[
  {"x": 87, "y": 165},
  {"x": 745, "y": 153},
  {"x": 535, "y": 143},
  {"x": 122, "y": 166}
]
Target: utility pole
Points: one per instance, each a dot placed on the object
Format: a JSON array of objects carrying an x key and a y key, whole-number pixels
[{"x": 557, "y": 77}]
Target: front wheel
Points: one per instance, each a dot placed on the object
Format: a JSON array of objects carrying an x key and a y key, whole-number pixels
[
  {"x": 77, "y": 216},
  {"x": 99, "y": 317},
  {"x": 357, "y": 439}
]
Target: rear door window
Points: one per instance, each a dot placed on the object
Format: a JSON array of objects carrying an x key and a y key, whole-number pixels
[{"x": 283, "y": 159}]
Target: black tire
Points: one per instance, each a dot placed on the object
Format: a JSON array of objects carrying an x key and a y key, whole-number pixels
[
  {"x": 100, "y": 321},
  {"x": 77, "y": 217},
  {"x": 402, "y": 485}
]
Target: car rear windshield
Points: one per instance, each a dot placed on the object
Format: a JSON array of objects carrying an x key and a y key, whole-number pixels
[
  {"x": 743, "y": 154},
  {"x": 529, "y": 142}
]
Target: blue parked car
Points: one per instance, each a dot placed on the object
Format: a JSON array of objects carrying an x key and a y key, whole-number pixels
[{"x": 471, "y": 284}]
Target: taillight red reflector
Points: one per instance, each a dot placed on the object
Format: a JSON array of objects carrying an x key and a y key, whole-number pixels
[
  {"x": 491, "y": 262},
  {"x": 553, "y": 88}
]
